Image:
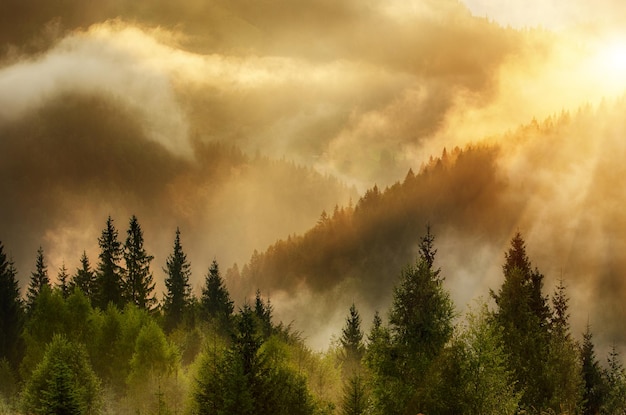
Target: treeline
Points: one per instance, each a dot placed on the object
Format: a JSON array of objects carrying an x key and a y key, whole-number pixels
[{"x": 99, "y": 342}]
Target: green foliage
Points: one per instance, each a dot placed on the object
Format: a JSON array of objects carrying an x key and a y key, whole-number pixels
[
  {"x": 38, "y": 280},
  {"x": 563, "y": 367},
  {"x": 115, "y": 343},
  {"x": 47, "y": 317},
  {"x": 355, "y": 396},
  {"x": 240, "y": 380},
  {"x": 109, "y": 281},
  {"x": 63, "y": 382},
  {"x": 486, "y": 384},
  {"x": 178, "y": 296},
  {"x": 420, "y": 324},
  {"x": 62, "y": 281},
  {"x": 215, "y": 303},
  {"x": 524, "y": 315},
  {"x": 138, "y": 286},
  {"x": 85, "y": 279},
  {"x": 594, "y": 384},
  {"x": 615, "y": 376},
  {"x": 11, "y": 312},
  {"x": 352, "y": 341}
]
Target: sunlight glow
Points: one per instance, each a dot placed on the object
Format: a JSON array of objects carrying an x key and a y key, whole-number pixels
[{"x": 609, "y": 63}]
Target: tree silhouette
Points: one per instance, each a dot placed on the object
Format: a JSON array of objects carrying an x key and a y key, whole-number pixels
[
  {"x": 109, "y": 272},
  {"x": 178, "y": 295},
  {"x": 39, "y": 278},
  {"x": 11, "y": 311},
  {"x": 139, "y": 284},
  {"x": 85, "y": 279},
  {"x": 215, "y": 302}
]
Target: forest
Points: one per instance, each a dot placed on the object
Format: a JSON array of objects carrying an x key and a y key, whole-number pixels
[{"x": 97, "y": 341}]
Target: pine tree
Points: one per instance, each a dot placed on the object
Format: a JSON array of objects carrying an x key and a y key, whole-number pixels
[
  {"x": 354, "y": 399},
  {"x": 562, "y": 366},
  {"x": 62, "y": 281},
  {"x": 39, "y": 279},
  {"x": 594, "y": 387},
  {"x": 352, "y": 342},
  {"x": 139, "y": 284},
  {"x": 263, "y": 310},
  {"x": 524, "y": 314},
  {"x": 615, "y": 375},
  {"x": 420, "y": 324},
  {"x": 421, "y": 314},
  {"x": 63, "y": 382},
  {"x": 85, "y": 279},
  {"x": 11, "y": 311},
  {"x": 178, "y": 295},
  {"x": 109, "y": 274},
  {"x": 215, "y": 302}
]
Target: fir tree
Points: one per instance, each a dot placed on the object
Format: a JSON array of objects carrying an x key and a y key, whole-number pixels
[
  {"x": 62, "y": 281},
  {"x": 139, "y": 284},
  {"x": 352, "y": 341},
  {"x": 109, "y": 275},
  {"x": 63, "y": 382},
  {"x": 615, "y": 375},
  {"x": 354, "y": 399},
  {"x": 11, "y": 311},
  {"x": 178, "y": 295},
  {"x": 39, "y": 279},
  {"x": 594, "y": 387},
  {"x": 215, "y": 302},
  {"x": 420, "y": 324},
  {"x": 524, "y": 314},
  {"x": 263, "y": 311},
  {"x": 562, "y": 366},
  {"x": 85, "y": 279}
]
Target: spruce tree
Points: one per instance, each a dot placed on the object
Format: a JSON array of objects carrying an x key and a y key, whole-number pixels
[
  {"x": 594, "y": 386},
  {"x": 352, "y": 342},
  {"x": 524, "y": 314},
  {"x": 354, "y": 399},
  {"x": 62, "y": 281},
  {"x": 11, "y": 311},
  {"x": 615, "y": 375},
  {"x": 562, "y": 366},
  {"x": 109, "y": 274},
  {"x": 85, "y": 279},
  {"x": 139, "y": 284},
  {"x": 39, "y": 279},
  {"x": 263, "y": 311},
  {"x": 178, "y": 295},
  {"x": 420, "y": 324},
  {"x": 63, "y": 382},
  {"x": 215, "y": 303}
]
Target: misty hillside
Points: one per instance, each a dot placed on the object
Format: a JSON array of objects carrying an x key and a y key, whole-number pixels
[
  {"x": 81, "y": 158},
  {"x": 474, "y": 199}
]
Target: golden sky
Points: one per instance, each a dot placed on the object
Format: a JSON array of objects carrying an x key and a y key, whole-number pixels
[{"x": 112, "y": 108}]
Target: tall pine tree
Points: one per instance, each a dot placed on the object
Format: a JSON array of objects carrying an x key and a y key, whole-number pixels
[
  {"x": 109, "y": 274},
  {"x": 62, "y": 281},
  {"x": 524, "y": 314},
  {"x": 178, "y": 295},
  {"x": 85, "y": 279},
  {"x": 594, "y": 385},
  {"x": 139, "y": 284},
  {"x": 215, "y": 302},
  {"x": 39, "y": 278},
  {"x": 11, "y": 311},
  {"x": 563, "y": 367},
  {"x": 352, "y": 342},
  {"x": 420, "y": 324}
]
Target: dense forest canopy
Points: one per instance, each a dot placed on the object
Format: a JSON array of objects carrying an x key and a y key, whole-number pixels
[{"x": 228, "y": 206}]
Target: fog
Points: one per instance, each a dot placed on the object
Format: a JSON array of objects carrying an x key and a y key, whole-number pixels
[{"x": 240, "y": 123}]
